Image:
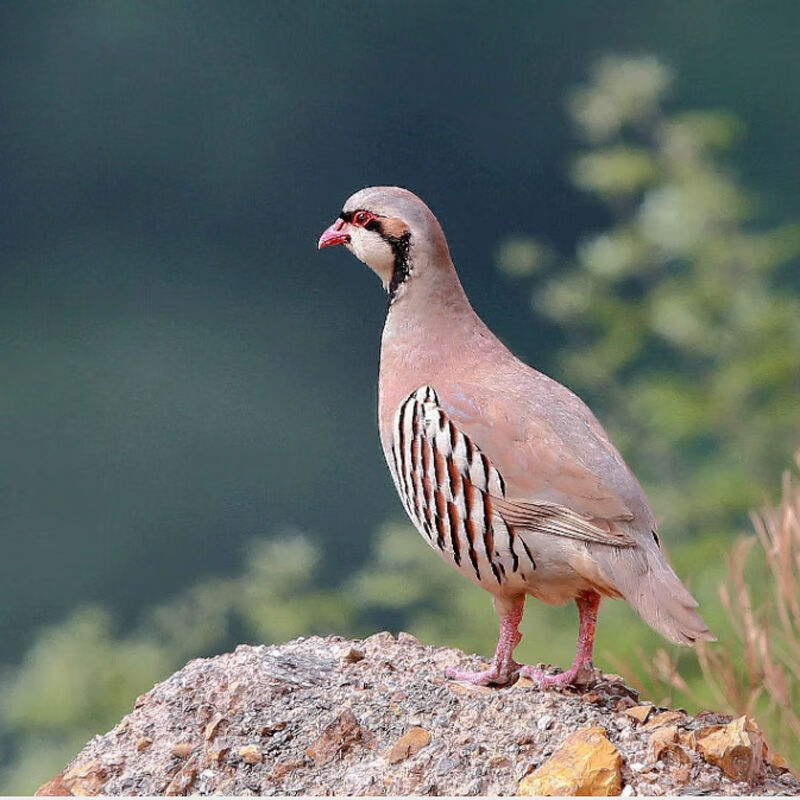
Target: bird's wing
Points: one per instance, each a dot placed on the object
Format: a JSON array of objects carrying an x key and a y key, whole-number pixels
[
  {"x": 444, "y": 478},
  {"x": 554, "y": 454},
  {"x": 559, "y": 521}
]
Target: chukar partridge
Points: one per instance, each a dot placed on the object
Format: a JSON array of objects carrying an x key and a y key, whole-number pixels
[{"x": 502, "y": 470}]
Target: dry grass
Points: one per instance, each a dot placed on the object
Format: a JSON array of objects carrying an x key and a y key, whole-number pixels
[{"x": 756, "y": 669}]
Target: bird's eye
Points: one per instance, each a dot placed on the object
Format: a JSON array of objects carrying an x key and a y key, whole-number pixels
[{"x": 362, "y": 218}]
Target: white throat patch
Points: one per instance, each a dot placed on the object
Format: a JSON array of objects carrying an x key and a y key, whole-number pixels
[{"x": 374, "y": 251}]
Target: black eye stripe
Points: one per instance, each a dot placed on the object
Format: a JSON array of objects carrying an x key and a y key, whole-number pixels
[{"x": 374, "y": 223}]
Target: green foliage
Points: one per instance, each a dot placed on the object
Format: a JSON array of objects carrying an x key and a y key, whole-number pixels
[
  {"x": 522, "y": 256},
  {"x": 623, "y": 91}
]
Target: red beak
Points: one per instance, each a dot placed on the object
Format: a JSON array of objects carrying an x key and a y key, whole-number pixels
[{"x": 335, "y": 234}]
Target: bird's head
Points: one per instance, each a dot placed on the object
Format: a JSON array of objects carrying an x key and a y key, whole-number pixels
[{"x": 392, "y": 231}]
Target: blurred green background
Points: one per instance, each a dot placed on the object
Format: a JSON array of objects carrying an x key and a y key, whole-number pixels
[{"x": 188, "y": 409}]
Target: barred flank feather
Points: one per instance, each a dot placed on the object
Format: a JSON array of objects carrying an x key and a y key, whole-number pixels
[{"x": 444, "y": 482}]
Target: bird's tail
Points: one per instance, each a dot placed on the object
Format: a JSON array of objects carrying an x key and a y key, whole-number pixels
[{"x": 662, "y": 601}]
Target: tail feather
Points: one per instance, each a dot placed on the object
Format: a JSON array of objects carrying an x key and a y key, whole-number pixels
[
  {"x": 659, "y": 597},
  {"x": 665, "y": 605}
]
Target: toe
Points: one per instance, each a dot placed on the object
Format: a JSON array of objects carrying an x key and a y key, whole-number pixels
[
  {"x": 546, "y": 681},
  {"x": 476, "y": 678},
  {"x": 485, "y": 677},
  {"x": 578, "y": 676}
]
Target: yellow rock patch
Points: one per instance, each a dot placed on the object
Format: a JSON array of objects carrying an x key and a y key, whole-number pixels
[{"x": 586, "y": 764}]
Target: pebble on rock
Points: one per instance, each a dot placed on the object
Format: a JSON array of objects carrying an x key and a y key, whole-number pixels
[
  {"x": 410, "y": 743},
  {"x": 251, "y": 754}
]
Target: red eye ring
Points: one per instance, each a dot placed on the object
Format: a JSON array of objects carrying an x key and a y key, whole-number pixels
[{"x": 362, "y": 218}]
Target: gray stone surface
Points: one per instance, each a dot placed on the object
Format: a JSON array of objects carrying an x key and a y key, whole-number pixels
[{"x": 325, "y": 716}]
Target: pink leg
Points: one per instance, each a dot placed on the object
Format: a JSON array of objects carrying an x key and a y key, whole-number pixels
[
  {"x": 587, "y": 603},
  {"x": 503, "y": 668}
]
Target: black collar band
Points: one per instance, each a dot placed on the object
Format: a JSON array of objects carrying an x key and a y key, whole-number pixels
[{"x": 401, "y": 248}]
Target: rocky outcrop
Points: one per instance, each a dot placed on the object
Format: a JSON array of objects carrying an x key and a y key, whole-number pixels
[{"x": 331, "y": 716}]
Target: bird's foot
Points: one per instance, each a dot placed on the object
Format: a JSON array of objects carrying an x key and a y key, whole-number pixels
[
  {"x": 579, "y": 675},
  {"x": 493, "y": 675}
]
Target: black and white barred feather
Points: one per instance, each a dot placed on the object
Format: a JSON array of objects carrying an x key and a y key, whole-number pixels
[{"x": 449, "y": 488}]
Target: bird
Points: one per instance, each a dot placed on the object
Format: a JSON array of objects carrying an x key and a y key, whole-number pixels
[{"x": 503, "y": 471}]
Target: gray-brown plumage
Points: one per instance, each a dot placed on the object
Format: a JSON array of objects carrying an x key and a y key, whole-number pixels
[{"x": 502, "y": 470}]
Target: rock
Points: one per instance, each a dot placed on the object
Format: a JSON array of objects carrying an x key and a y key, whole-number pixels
[
  {"x": 664, "y": 718},
  {"x": 54, "y": 788},
  {"x": 353, "y": 656},
  {"x": 87, "y": 778},
  {"x": 298, "y": 718},
  {"x": 340, "y": 735},
  {"x": 81, "y": 778},
  {"x": 283, "y": 768},
  {"x": 775, "y": 759},
  {"x": 661, "y": 738},
  {"x": 217, "y": 755},
  {"x": 446, "y": 765},
  {"x": 544, "y": 722},
  {"x": 639, "y": 713},
  {"x": 665, "y": 747},
  {"x": 268, "y": 730},
  {"x": 251, "y": 754},
  {"x": 410, "y": 743},
  {"x": 586, "y": 764},
  {"x": 182, "y": 749},
  {"x": 736, "y": 748},
  {"x": 212, "y": 727},
  {"x": 624, "y": 703},
  {"x": 182, "y": 782}
]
